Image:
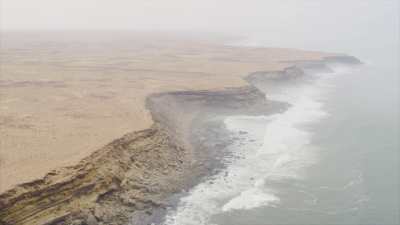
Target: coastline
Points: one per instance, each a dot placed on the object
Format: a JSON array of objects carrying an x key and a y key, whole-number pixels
[
  {"x": 132, "y": 176},
  {"x": 61, "y": 89}
]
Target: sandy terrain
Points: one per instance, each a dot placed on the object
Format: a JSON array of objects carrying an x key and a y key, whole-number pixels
[{"x": 63, "y": 96}]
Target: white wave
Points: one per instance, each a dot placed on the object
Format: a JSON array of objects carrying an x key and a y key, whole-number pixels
[
  {"x": 283, "y": 153},
  {"x": 251, "y": 198}
]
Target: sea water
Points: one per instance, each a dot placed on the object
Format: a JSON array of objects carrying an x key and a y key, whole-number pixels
[{"x": 331, "y": 158}]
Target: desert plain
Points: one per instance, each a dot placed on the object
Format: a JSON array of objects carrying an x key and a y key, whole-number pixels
[{"x": 63, "y": 95}]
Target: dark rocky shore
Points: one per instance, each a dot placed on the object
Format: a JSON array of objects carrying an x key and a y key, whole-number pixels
[{"x": 131, "y": 179}]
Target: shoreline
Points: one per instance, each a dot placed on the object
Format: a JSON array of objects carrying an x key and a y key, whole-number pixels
[
  {"x": 227, "y": 137},
  {"x": 55, "y": 107},
  {"x": 132, "y": 176}
]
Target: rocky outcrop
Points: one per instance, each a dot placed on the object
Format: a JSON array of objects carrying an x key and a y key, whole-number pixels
[
  {"x": 131, "y": 174},
  {"x": 342, "y": 59},
  {"x": 302, "y": 68},
  {"x": 130, "y": 178}
]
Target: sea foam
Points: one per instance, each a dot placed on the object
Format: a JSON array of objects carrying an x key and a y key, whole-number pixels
[{"x": 276, "y": 148}]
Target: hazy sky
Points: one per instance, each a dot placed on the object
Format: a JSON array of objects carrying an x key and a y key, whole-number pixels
[
  {"x": 191, "y": 14},
  {"x": 309, "y": 24}
]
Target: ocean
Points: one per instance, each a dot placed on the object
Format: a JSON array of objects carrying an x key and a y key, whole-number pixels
[{"x": 331, "y": 158}]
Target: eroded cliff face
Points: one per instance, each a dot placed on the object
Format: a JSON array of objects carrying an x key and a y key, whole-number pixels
[
  {"x": 130, "y": 178},
  {"x": 131, "y": 174},
  {"x": 302, "y": 68}
]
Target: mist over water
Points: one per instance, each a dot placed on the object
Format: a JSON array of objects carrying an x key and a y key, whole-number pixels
[
  {"x": 270, "y": 160},
  {"x": 333, "y": 156}
]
